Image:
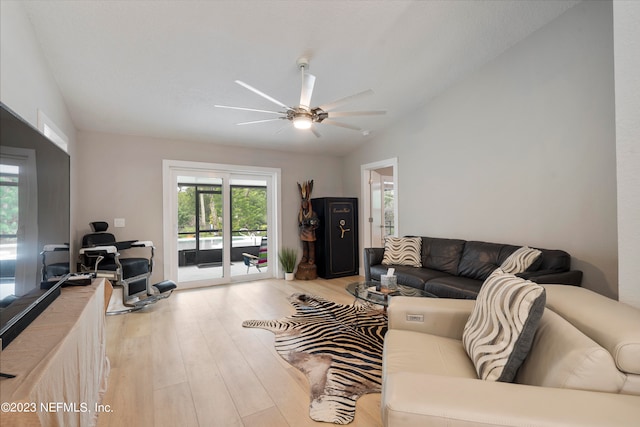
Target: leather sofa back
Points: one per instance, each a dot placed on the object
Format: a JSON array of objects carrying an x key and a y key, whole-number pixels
[
  {"x": 442, "y": 254},
  {"x": 480, "y": 259},
  {"x": 554, "y": 260}
]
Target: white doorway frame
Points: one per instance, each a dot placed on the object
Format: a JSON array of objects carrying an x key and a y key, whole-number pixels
[
  {"x": 366, "y": 196},
  {"x": 171, "y": 169}
]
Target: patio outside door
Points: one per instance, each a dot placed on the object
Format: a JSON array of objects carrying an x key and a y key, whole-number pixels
[
  {"x": 223, "y": 222},
  {"x": 200, "y": 223}
]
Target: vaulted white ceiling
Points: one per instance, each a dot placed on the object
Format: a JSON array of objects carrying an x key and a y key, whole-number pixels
[{"x": 156, "y": 68}]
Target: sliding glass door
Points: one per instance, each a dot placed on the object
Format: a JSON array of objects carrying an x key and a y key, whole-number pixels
[
  {"x": 249, "y": 226},
  {"x": 225, "y": 226},
  {"x": 200, "y": 222}
]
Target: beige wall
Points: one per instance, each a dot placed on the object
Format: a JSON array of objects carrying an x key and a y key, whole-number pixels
[
  {"x": 522, "y": 151},
  {"x": 122, "y": 178}
]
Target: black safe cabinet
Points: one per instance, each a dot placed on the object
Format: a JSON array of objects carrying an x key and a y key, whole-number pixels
[{"x": 337, "y": 236}]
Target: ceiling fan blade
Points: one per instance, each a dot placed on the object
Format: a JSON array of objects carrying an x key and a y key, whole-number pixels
[
  {"x": 342, "y": 125},
  {"x": 355, "y": 113},
  {"x": 308, "y": 81},
  {"x": 334, "y": 104},
  {"x": 258, "y": 121},
  {"x": 249, "y": 109},
  {"x": 315, "y": 131},
  {"x": 262, "y": 94}
]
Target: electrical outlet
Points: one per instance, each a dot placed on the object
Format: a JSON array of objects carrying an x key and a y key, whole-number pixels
[
  {"x": 415, "y": 317},
  {"x": 118, "y": 222}
]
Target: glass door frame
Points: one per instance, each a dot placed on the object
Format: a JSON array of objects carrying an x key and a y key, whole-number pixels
[
  {"x": 171, "y": 169},
  {"x": 198, "y": 220}
]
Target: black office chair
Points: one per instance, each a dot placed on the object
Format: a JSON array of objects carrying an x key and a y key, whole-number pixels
[{"x": 101, "y": 254}]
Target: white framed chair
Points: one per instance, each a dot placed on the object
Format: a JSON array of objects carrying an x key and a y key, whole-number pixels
[{"x": 258, "y": 261}]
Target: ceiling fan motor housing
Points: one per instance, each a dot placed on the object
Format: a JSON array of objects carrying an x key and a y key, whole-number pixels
[{"x": 303, "y": 62}]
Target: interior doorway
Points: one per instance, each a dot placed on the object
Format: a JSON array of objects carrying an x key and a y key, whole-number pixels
[{"x": 380, "y": 201}]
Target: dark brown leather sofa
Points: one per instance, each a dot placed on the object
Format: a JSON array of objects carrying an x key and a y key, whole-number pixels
[{"x": 454, "y": 268}]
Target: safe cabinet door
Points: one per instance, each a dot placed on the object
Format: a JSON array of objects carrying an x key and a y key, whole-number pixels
[{"x": 338, "y": 236}]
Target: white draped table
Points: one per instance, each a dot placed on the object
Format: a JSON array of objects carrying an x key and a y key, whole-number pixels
[{"x": 59, "y": 361}]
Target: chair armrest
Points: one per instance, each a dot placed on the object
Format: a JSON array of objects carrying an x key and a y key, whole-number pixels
[
  {"x": 246, "y": 255},
  {"x": 572, "y": 277},
  {"x": 444, "y": 317},
  {"x": 98, "y": 250},
  {"x": 410, "y": 399},
  {"x": 128, "y": 244},
  {"x": 372, "y": 256}
]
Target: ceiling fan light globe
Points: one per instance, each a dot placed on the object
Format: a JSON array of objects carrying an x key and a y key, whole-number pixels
[{"x": 302, "y": 122}]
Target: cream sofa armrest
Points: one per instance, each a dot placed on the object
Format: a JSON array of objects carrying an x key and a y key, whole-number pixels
[
  {"x": 438, "y": 316},
  {"x": 411, "y": 399}
]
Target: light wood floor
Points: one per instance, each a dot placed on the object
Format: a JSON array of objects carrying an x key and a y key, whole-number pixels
[{"x": 187, "y": 361}]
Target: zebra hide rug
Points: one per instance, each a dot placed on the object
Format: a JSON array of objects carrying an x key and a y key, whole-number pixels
[{"x": 339, "y": 349}]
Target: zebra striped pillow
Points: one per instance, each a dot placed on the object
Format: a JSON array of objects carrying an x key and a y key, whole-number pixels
[
  {"x": 500, "y": 330},
  {"x": 520, "y": 260},
  {"x": 402, "y": 251}
]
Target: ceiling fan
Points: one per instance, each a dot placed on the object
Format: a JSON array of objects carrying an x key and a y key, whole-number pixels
[{"x": 303, "y": 116}]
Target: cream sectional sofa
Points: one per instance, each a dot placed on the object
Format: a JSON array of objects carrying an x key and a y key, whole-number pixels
[{"x": 583, "y": 368}]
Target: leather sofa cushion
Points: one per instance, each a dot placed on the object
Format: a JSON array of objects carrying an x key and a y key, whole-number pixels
[
  {"x": 410, "y": 400},
  {"x": 553, "y": 260},
  {"x": 631, "y": 385},
  {"x": 442, "y": 254},
  {"x": 415, "y": 352},
  {"x": 562, "y": 356},
  {"x": 614, "y": 326},
  {"x": 480, "y": 259},
  {"x": 453, "y": 287},
  {"x": 409, "y": 276}
]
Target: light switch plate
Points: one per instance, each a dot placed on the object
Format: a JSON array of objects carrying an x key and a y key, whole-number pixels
[{"x": 118, "y": 222}]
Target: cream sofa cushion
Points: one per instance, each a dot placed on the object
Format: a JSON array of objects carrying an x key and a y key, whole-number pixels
[
  {"x": 422, "y": 400},
  {"x": 562, "y": 356},
  {"x": 631, "y": 385},
  {"x": 408, "y": 351},
  {"x": 613, "y": 325}
]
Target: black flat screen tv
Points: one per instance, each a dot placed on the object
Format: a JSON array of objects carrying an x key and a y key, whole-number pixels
[{"x": 35, "y": 206}]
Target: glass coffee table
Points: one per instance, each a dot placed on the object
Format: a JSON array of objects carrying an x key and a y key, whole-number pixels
[{"x": 366, "y": 291}]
